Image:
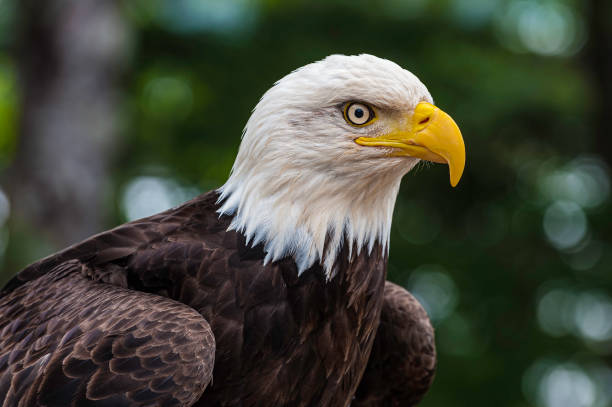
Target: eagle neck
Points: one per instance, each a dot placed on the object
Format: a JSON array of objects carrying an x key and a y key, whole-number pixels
[{"x": 312, "y": 219}]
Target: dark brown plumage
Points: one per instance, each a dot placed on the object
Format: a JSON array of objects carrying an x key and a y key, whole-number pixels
[
  {"x": 403, "y": 360},
  {"x": 69, "y": 341},
  {"x": 125, "y": 318}
]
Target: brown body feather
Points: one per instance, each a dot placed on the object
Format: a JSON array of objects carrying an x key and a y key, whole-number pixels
[
  {"x": 125, "y": 319},
  {"x": 403, "y": 360}
]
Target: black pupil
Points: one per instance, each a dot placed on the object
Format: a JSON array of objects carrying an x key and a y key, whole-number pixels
[{"x": 359, "y": 113}]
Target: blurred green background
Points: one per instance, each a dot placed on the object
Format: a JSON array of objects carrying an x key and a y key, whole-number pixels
[{"x": 110, "y": 111}]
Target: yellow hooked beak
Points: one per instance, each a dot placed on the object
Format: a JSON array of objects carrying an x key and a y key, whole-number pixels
[{"x": 433, "y": 136}]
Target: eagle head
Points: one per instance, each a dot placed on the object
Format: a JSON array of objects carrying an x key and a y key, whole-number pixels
[{"x": 323, "y": 154}]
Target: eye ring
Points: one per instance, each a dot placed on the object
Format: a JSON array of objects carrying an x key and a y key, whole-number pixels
[{"x": 358, "y": 114}]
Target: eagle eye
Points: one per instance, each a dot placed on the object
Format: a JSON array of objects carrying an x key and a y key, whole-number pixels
[{"x": 358, "y": 114}]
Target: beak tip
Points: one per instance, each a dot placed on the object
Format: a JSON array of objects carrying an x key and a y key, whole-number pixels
[{"x": 455, "y": 177}]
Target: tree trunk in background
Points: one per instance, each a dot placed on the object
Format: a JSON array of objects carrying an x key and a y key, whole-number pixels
[
  {"x": 599, "y": 60},
  {"x": 70, "y": 56}
]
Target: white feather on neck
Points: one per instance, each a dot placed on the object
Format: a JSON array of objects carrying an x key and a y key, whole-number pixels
[
  {"x": 312, "y": 220},
  {"x": 300, "y": 184}
]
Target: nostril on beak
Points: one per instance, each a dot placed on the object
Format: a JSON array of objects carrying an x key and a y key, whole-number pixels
[{"x": 424, "y": 114}]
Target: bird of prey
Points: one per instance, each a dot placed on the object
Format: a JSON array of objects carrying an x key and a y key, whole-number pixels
[{"x": 269, "y": 291}]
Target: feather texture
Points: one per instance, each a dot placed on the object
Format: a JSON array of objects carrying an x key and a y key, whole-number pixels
[
  {"x": 403, "y": 361},
  {"x": 106, "y": 319},
  {"x": 300, "y": 184},
  {"x": 274, "y": 284},
  {"x": 66, "y": 340}
]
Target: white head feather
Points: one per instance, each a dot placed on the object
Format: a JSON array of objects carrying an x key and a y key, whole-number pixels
[{"x": 300, "y": 184}]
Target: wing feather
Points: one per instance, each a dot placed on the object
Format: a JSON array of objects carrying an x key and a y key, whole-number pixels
[
  {"x": 403, "y": 360},
  {"x": 97, "y": 344}
]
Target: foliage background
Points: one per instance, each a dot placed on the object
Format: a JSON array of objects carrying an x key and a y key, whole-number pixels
[{"x": 513, "y": 265}]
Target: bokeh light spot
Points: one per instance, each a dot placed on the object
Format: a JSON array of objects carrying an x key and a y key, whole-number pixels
[
  {"x": 541, "y": 27},
  {"x": 585, "y": 256},
  {"x": 474, "y": 13},
  {"x": 555, "y": 312},
  {"x": 584, "y": 181},
  {"x": 435, "y": 290},
  {"x": 148, "y": 195},
  {"x": 566, "y": 386},
  {"x": 593, "y": 316},
  {"x": 586, "y": 315},
  {"x": 565, "y": 224},
  {"x": 224, "y": 16}
]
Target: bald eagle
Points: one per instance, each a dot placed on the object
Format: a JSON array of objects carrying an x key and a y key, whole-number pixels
[{"x": 269, "y": 291}]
